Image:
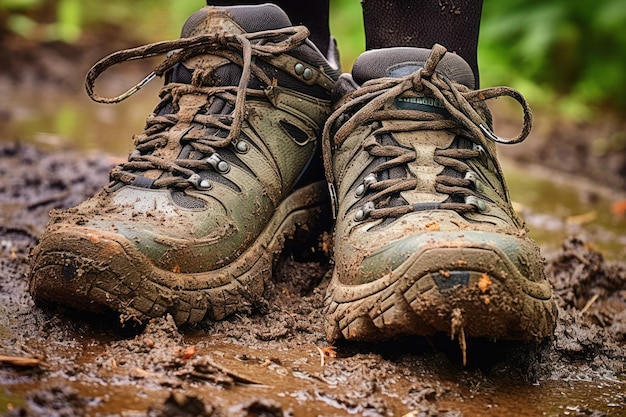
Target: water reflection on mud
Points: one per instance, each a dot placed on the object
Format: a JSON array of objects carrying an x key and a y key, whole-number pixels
[
  {"x": 295, "y": 379},
  {"x": 58, "y": 119},
  {"x": 555, "y": 206}
]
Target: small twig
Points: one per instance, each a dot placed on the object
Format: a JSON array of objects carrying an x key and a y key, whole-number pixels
[
  {"x": 457, "y": 328},
  {"x": 463, "y": 344},
  {"x": 321, "y": 355},
  {"x": 21, "y": 362},
  {"x": 326, "y": 351},
  {"x": 590, "y": 302}
]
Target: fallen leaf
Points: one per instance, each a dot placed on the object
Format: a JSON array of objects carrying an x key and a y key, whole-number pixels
[{"x": 328, "y": 351}]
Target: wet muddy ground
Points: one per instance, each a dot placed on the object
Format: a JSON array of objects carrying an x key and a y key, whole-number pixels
[{"x": 276, "y": 362}]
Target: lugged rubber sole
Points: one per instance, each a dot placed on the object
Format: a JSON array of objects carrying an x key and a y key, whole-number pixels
[
  {"x": 95, "y": 271},
  {"x": 487, "y": 297}
]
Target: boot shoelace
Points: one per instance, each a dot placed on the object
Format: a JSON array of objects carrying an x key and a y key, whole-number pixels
[
  {"x": 239, "y": 49},
  {"x": 367, "y": 106}
]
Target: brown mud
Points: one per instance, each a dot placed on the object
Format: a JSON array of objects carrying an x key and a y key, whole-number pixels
[{"x": 58, "y": 362}]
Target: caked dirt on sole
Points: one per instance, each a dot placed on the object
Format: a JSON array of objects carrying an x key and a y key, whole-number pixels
[{"x": 55, "y": 361}]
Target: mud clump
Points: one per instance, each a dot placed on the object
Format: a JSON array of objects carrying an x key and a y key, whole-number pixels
[
  {"x": 35, "y": 182},
  {"x": 279, "y": 363},
  {"x": 588, "y": 342},
  {"x": 57, "y": 401},
  {"x": 584, "y": 281},
  {"x": 182, "y": 405},
  {"x": 591, "y": 296}
]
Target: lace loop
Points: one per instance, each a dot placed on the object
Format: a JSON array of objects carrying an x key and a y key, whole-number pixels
[{"x": 183, "y": 48}]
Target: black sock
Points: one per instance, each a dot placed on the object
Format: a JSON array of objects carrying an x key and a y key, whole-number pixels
[
  {"x": 423, "y": 23},
  {"x": 312, "y": 14}
]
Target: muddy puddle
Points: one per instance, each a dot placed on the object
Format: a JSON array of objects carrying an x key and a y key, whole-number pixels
[
  {"x": 227, "y": 377},
  {"x": 55, "y": 362},
  {"x": 556, "y": 206}
]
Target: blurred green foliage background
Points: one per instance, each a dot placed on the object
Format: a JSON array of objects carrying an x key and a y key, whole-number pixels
[{"x": 565, "y": 55}]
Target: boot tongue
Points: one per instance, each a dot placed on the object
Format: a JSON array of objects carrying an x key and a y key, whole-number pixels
[
  {"x": 226, "y": 75},
  {"x": 249, "y": 18},
  {"x": 402, "y": 61},
  {"x": 231, "y": 19},
  {"x": 398, "y": 63}
]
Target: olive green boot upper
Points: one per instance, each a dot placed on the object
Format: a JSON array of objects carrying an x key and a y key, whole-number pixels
[
  {"x": 426, "y": 239},
  {"x": 227, "y": 166}
]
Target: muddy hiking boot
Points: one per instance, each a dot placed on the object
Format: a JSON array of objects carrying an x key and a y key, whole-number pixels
[
  {"x": 426, "y": 239},
  {"x": 227, "y": 168}
]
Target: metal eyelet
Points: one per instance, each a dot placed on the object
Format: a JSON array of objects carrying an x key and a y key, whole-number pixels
[
  {"x": 198, "y": 182},
  {"x": 218, "y": 163},
  {"x": 364, "y": 212},
  {"x": 479, "y": 148},
  {"x": 476, "y": 202},
  {"x": 134, "y": 154},
  {"x": 242, "y": 146},
  {"x": 301, "y": 70},
  {"x": 368, "y": 181},
  {"x": 473, "y": 178}
]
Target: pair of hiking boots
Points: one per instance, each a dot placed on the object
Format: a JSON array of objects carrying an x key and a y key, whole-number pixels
[{"x": 254, "y": 130}]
